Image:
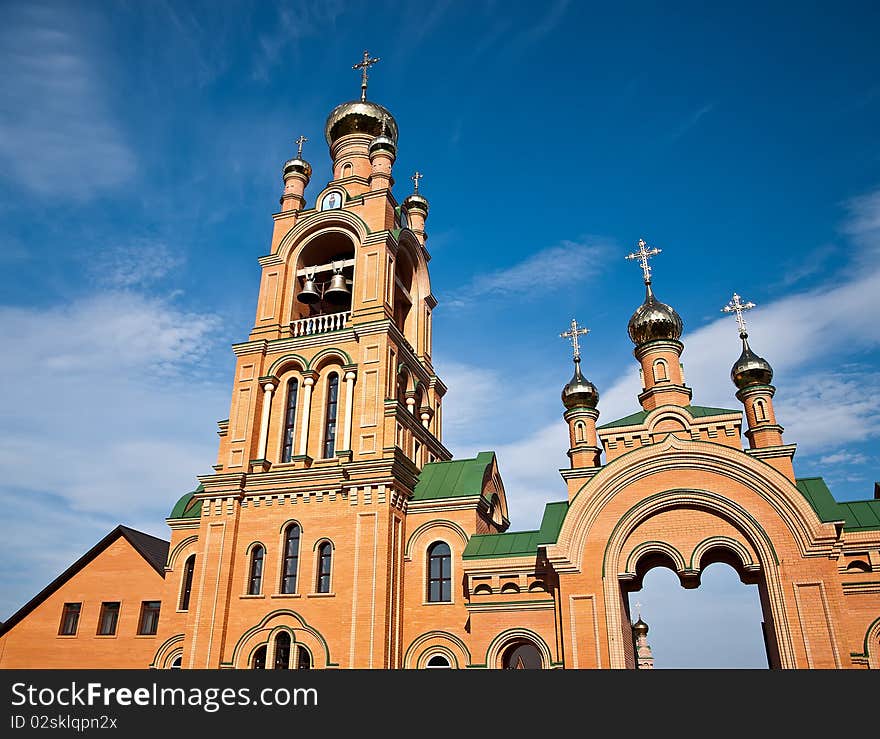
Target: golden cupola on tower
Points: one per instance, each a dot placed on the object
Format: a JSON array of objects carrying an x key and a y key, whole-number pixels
[
  {"x": 578, "y": 392},
  {"x": 652, "y": 320},
  {"x": 749, "y": 369},
  {"x": 361, "y": 116}
]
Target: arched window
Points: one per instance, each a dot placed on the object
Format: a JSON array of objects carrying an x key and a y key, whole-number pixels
[
  {"x": 187, "y": 582},
  {"x": 255, "y": 580},
  {"x": 346, "y": 170},
  {"x": 258, "y": 662},
  {"x": 291, "y": 558},
  {"x": 289, "y": 419},
  {"x": 579, "y": 432},
  {"x": 325, "y": 552},
  {"x": 660, "y": 373},
  {"x": 304, "y": 659},
  {"x": 439, "y": 573},
  {"x": 282, "y": 651},
  {"x": 522, "y": 655},
  {"x": 438, "y": 662},
  {"x": 760, "y": 410},
  {"x": 330, "y": 424},
  {"x": 176, "y": 663}
]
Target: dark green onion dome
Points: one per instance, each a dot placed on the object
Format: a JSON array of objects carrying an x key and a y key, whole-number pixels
[
  {"x": 640, "y": 627},
  {"x": 297, "y": 165},
  {"x": 360, "y": 116},
  {"x": 750, "y": 369},
  {"x": 654, "y": 321},
  {"x": 579, "y": 392}
]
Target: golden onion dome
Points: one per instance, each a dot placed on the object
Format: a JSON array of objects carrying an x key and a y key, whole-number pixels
[
  {"x": 579, "y": 392},
  {"x": 416, "y": 200},
  {"x": 653, "y": 321},
  {"x": 640, "y": 627},
  {"x": 297, "y": 165},
  {"x": 750, "y": 369},
  {"x": 383, "y": 143},
  {"x": 360, "y": 116}
]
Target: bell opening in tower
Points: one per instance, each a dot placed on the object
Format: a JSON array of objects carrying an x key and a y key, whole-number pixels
[
  {"x": 403, "y": 297},
  {"x": 325, "y": 277}
]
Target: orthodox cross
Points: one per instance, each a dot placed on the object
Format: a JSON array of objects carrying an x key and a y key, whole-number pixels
[
  {"x": 573, "y": 334},
  {"x": 415, "y": 178},
  {"x": 364, "y": 66},
  {"x": 638, "y": 609},
  {"x": 643, "y": 254},
  {"x": 299, "y": 146},
  {"x": 737, "y": 306}
]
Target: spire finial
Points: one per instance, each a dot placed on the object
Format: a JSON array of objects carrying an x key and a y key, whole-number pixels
[
  {"x": 643, "y": 254},
  {"x": 364, "y": 65},
  {"x": 638, "y": 610},
  {"x": 737, "y": 306},
  {"x": 299, "y": 146},
  {"x": 415, "y": 178},
  {"x": 573, "y": 334}
]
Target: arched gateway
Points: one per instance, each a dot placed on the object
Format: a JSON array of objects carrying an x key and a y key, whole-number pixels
[{"x": 334, "y": 529}]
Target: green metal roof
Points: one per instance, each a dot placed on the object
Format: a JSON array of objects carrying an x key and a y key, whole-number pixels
[
  {"x": 186, "y": 507},
  {"x": 457, "y": 478},
  {"x": 696, "y": 411},
  {"x": 857, "y": 515},
  {"x": 519, "y": 543}
]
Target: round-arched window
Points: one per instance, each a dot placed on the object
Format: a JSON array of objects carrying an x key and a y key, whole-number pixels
[{"x": 522, "y": 655}]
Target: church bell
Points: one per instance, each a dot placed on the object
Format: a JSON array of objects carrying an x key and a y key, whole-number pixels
[
  {"x": 337, "y": 292},
  {"x": 309, "y": 293}
]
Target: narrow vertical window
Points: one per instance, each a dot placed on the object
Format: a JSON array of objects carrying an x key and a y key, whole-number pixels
[
  {"x": 255, "y": 580},
  {"x": 187, "y": 582},
  {"x": 330, "y": 427},
  {"x": 108, "y": 619},
  {"x": 660, "y": 371},
  {"x": 282, "y": 651},
  {"x": 259, "y": 660},
  {"x": 69, "y": 619},
  {"x": 760, "y": 411},
  {"x": 304, "y": 660},
  {"x": 289, "y": 420},
  {"x": 291, "y": 558},
  {"x": 325, "y": 552},
  {"x": 149, "y": 622},
  {"x": 439, "y": 573}
]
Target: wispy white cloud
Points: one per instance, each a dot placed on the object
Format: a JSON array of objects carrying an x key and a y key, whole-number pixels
[
  {"x": 691, "y": 121},
  {"x": 140, "y": 263},
  {"x": 843, "y": 458},
  {"x": 57, "y": 133},
  {"x": 569, "y": 262}
]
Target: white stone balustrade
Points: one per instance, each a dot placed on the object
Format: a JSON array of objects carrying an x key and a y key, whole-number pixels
[{"x": 320, "y": 324}]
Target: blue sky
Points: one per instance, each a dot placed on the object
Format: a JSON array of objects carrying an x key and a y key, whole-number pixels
[{"x": 140, "y": 155}]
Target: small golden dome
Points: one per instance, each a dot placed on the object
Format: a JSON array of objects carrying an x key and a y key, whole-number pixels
[
  {"x": 579, "y": 392},
  {"x": 653, "y": 321},
  {"x": 750, "y": 369}
]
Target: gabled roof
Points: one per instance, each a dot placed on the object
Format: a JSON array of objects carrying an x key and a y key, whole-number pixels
[
  {"x": 151, "y": 548},
  {"x": 186, "y": 507},
  {"x": 696, "y": 411},
  {"x": 857, "y": 515},
  {"x": 519, "y": 543},
  {"x": 457, "y": 478}
]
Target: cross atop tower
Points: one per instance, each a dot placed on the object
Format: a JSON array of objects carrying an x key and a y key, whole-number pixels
[
  {"x": 364, "y": 65},
  {"x": 573, "y": 334},
  {"x": 643, "y": 255},
  {"x": 299, "y": 146},
  {"x": 638, "y": 608},
  {"x": 737, "y": 306},
  {"x": 415, "y": 178}
]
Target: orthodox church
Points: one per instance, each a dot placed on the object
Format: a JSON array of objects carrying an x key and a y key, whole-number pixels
[{"x": 335, "y": 530}]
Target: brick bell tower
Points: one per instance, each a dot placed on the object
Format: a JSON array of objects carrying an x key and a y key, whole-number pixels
[{"x": 335, "y": 408}]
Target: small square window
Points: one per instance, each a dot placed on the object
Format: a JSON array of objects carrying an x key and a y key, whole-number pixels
[
  {"x": 149, "y": 622},
  {"x": 69, "y": 619},
  {"x": 108, "y": 619}
]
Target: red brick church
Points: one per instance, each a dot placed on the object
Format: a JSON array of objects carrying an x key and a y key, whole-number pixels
[{"x": 335, "y": 530}]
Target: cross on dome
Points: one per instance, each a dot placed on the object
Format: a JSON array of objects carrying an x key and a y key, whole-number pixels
[
  {"x": 737, "y": 306},
  {"x": 415, "y": 178},
  {"x": 643, "y": 255},
  {"x": 364, "y": 65},
  {"x": 299, "y": 145},
  {"x": 573, "y": 334}
]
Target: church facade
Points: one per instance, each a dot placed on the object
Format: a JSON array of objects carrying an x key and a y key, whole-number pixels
[{"x": 335, "y": 529}]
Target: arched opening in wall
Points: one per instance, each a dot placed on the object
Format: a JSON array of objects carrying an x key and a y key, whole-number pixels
[
  {"x": 324, "y": 280},
  {"x": 660, "y": 373},
  {"x": 438, "y": 662},
  {"x": 404, "y": 315},
  {"x": 347, "y": 170},
  {"x": 522, "y": 655},
  {"x": 760, "y": 410},
  {"x": 712, "y": 620}
]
